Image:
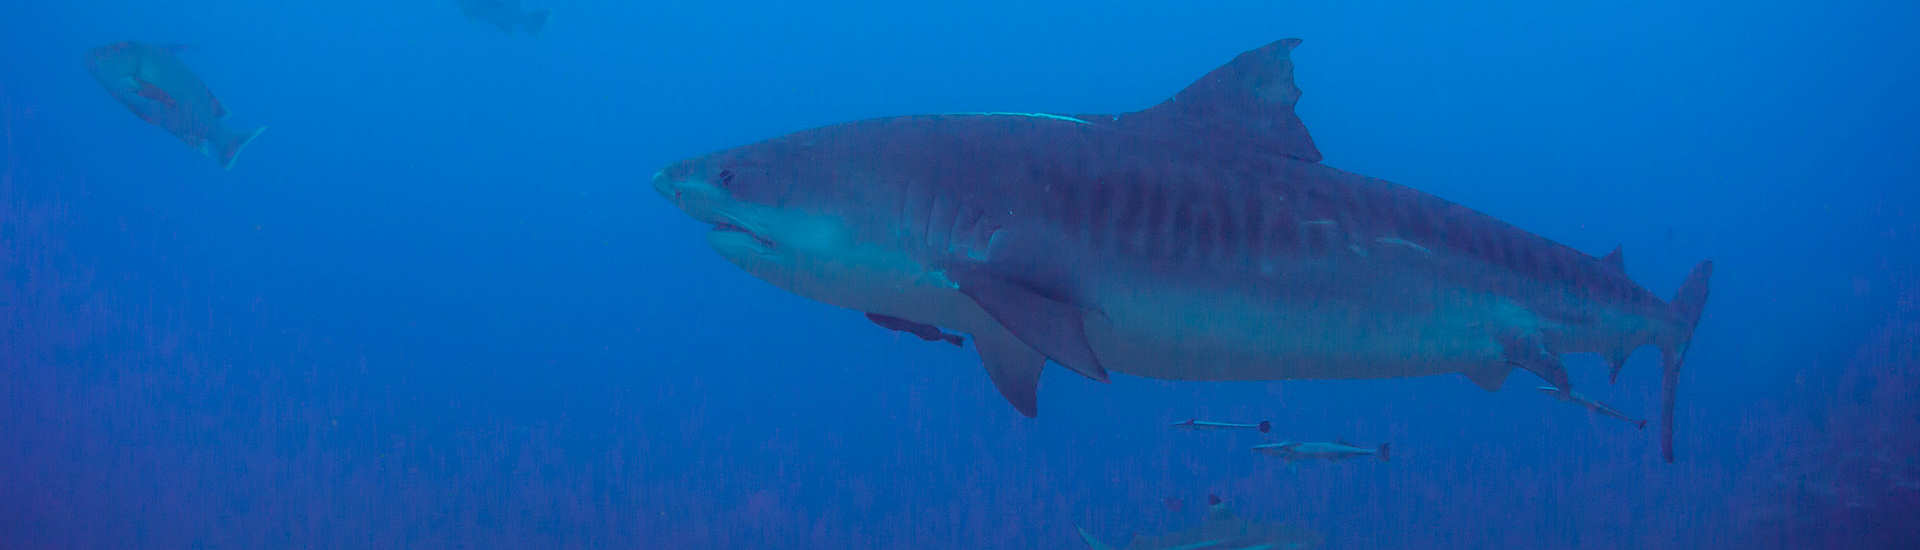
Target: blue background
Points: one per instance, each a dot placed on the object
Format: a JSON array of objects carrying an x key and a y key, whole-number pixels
[{"x": 435, "y": 304}]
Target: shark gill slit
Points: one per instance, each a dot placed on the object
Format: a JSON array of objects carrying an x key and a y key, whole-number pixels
[
  {"x": 923, "y": 213},
  {"x": 940, "y": 221},
  {"x": 965, "y": 233}
]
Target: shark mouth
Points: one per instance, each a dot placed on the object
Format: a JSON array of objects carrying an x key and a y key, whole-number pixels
[{"x": 731, "y": 228}]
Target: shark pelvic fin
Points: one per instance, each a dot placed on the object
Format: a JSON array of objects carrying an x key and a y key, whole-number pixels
[
  {"x": 1490, "y": 377},
  {"x": 1615, "y": 259},
  {"x": 1054, "y": 328},
  {"x": 1527, "y": 351},
  {"x": 1248, "y": 100}
]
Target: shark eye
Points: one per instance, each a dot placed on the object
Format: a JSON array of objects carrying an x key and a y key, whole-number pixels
[{"x": 726, "y": 177}]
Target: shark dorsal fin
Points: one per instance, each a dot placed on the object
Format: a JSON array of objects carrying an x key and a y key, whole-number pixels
[
  {"x": 1249, "y": 100},
  {"x": 1615, "y": 259}
]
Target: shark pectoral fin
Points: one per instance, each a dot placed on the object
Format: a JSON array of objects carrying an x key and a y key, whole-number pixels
[
  {"x": 1013, "y": 367},
  {"x": 1527, "y": 351},
  {"x": 1249, "y": 100},
  {"x": 1490, "y": 377},
  {"x": 1052, "y": 327}
]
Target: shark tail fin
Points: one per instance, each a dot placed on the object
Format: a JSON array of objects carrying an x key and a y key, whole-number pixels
[
  {"x": 1384, "y": 447},
  {"x": 536, "y": 20},
  {"x": 1687, "y": 305},
  {"x": 1092, "y": 543},
  {"x": 230, "y": 144}
]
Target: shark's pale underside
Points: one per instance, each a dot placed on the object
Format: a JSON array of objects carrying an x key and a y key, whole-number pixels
[{"x": 1200, "y": 239}]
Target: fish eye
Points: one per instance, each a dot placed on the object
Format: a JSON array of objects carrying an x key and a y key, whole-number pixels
[{"x": 726, "y": 177}]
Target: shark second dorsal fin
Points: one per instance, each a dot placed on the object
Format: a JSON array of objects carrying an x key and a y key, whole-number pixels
[
  {"x": 1615, "y": 259},
  {"x": 1249, "y": 101}
]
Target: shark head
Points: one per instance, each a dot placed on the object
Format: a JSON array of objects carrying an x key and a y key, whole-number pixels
[
  {"x": 767, "y": 206},
  {"x": 792, "y": 212},
  {"x": 730, "y": 198}
]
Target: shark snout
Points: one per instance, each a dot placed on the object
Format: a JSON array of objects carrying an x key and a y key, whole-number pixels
[{"x": 665, "y": 187}]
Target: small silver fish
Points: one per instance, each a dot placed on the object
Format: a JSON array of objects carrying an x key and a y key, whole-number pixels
[
  {"x": 1595, "y": 406},
  {"x": 1335, "y": 451},
  {"x": 1202, "y": 425}
]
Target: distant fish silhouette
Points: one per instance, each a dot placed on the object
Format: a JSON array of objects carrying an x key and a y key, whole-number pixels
[
  {"x": 506, "y": 14},
  {"x": 159, "y": 88},
  {"x": 1221, "y": 530}
]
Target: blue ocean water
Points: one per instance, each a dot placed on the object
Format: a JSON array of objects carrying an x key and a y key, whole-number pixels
[{"x": 436, "y": 305}]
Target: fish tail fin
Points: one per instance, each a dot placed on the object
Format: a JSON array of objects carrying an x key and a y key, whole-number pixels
[
  {"x": 229, "y": 147},
  {"x": 535, "y": 20},
  {"x": 1384, "y": 447},
  {"x": 1092, "y": 543},
  {"x": 1640, "y": 424},
  {"x": 1687, "y": 305},
  {"x": 1266, "y": 426}
]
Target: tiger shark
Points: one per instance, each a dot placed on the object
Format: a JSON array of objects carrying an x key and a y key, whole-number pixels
[{"x": 1198, "y": 239}]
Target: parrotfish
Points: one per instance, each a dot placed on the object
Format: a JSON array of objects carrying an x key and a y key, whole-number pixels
[
  {"x": 153, "y": 83},
  {"x": 1199, "y": 239},
  {"x": 1335, "y": 450}
]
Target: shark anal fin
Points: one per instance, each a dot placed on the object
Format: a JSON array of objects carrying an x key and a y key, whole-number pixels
[
  {"x": 1248, "y": 101},
  {"x": 1054, "y": 328},
  {"x": 1013, "y": 367},
  {"x": 1489, "y": 378},
  {"x": 1616, "y": 360}
]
